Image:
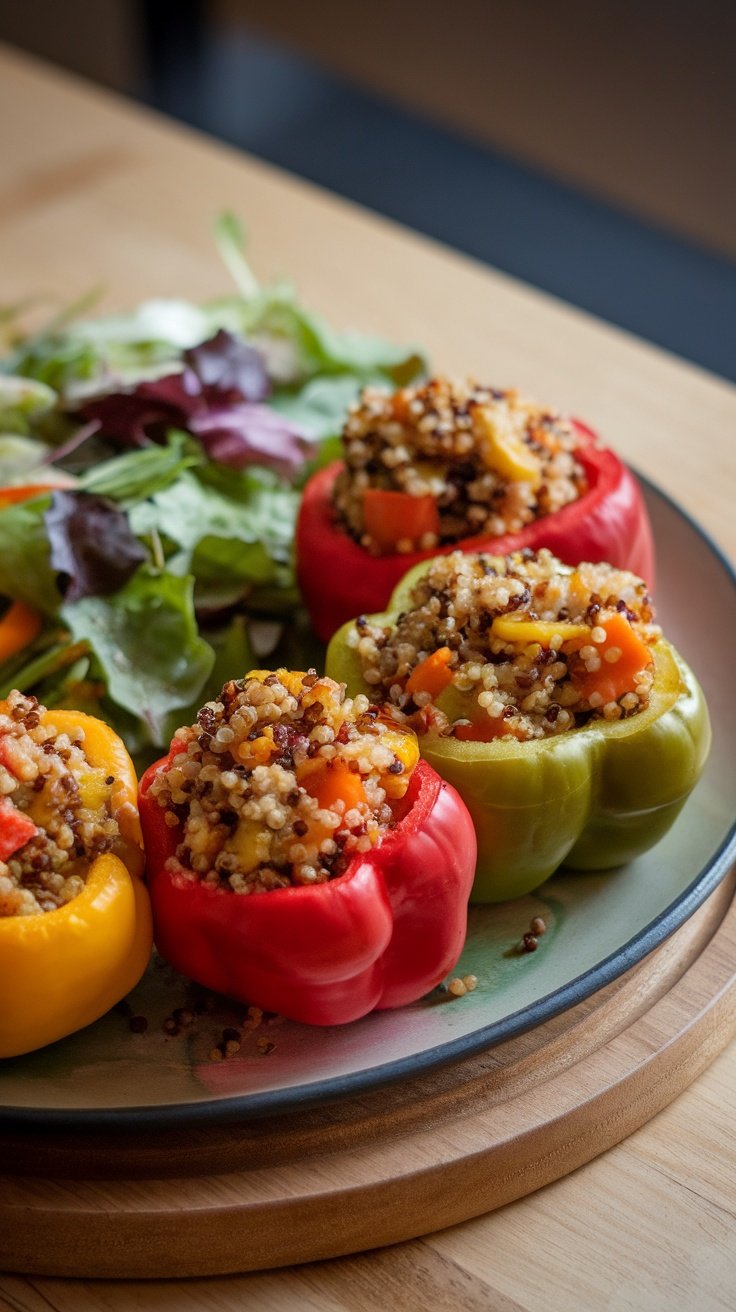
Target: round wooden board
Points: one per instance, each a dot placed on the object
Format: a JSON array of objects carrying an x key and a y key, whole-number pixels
[{"x": 401, "y": 1162}]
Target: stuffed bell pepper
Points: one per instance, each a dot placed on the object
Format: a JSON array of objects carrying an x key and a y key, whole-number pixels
[
  {"x": 75, "y": 919},
  {"x": 547, "y": 696},
  {"x": 300, "y": 857},
  {"x": 448, "y": 465}
]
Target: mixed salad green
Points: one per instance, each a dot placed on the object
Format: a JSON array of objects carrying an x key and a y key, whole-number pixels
[{"x": 150, "y": 474}]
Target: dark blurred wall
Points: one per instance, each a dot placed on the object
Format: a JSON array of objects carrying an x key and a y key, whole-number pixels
[
  {"x": 634, "y": 100},
  {"x": 97, "y": 38}
]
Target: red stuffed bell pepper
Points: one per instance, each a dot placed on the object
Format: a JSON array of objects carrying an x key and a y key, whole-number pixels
[
  {"x": 445, "y": 466},
  {"x": 300, "y": 858}
]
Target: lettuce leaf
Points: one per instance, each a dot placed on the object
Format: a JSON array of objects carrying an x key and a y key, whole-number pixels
[
  {"x": 297, "y": 344},
  {"x": 92, "y": 547},
  {"x": 217, "y": 396},
  {"x": 233, "y": 533},
  {"x": 21, "y": 460},
  {"x": 147, "y": 645},
  {"x": 25, "y": 557},
  {"x": 250, "y": 377},
  {"x": 21, "y": 401},
  {"x": 137, "y": 475}
]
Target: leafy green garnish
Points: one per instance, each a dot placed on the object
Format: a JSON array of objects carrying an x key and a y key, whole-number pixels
[
  {"x": 25, "y": 567},
  {"x": 145, "y": 639},
  {"x": 217, "y": 535},
  {"x": 320, "y": 406},
  {"x": 21, "y": 460},
  {"x": 234, "y": 656},
  {"x": 93, "y": 549},
  {"x": 230, "y": 242},
  {"x": 21, "y": 401},
  {"x": 191, "y": 509},
  {"x": 136, "y": 475}
]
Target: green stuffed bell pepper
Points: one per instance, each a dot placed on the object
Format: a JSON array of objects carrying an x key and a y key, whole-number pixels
[{"x": 547, "y": 696}]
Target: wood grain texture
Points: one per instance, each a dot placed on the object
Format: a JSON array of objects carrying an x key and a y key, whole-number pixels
[
  {"x": 478, "y": 1136},
  {"x": 492, "y": 1080},
  {"x": 93, "y": 191}
]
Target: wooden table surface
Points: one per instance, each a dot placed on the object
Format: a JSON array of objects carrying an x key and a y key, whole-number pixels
[{"x": 93, "y": 190}]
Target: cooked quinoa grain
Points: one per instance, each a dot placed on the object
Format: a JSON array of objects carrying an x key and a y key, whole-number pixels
[
  {"x": 281, "y": 782},
  {"x": 520, "y": 646},
  {"x": 50, "y": 794},
  {"x": 477, "y": 460}
]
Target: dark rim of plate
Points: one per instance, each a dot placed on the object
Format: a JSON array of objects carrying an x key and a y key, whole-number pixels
[{"x": 300, "y": 1097}]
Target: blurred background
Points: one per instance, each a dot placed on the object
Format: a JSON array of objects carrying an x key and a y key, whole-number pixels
[{"x": 588, "y": 148}]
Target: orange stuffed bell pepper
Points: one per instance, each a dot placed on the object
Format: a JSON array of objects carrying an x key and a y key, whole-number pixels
[{"x": 75, "y": 919}]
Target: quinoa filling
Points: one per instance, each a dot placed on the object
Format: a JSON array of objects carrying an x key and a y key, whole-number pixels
[
  {"x": 467, "y": 460},
  {"x": 521, "y": 646},
  {"x": 282, "y": 781},
  {"x": 55, "y": 815}
]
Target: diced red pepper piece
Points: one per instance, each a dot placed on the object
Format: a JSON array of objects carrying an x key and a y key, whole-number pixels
[
  {"x": 16, "y": 829},
  {"x": 431, "y": 675},
  {"x": 391, "y": 516},
  {"x": 484, "y": 730}
]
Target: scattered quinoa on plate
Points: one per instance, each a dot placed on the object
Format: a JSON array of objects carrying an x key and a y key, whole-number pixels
[
  {"x": 520, "y": 647},
  {"x": 472, "y": 459},
  {"x": 55, "y": 811},
  {"x": 282, "y": 781}
]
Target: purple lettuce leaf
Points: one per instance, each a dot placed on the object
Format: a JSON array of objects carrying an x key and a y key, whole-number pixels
[
  {"x": 250, "y": 434},
  {"x": 228, "y": 369},
  {"x": 218, "y": 398},
  {"x": 93, "y": 549}
]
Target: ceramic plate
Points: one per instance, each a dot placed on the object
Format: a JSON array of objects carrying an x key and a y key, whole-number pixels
[{"x": 598, "y": 926}]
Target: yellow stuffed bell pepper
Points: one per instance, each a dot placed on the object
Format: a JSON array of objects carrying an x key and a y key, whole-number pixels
[{"x": 61, "y": 968}]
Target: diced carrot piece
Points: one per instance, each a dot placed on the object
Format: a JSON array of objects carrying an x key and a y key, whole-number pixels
[
  {"x": 391, "y": 517},
  {"x": 316, "y": 834},
  {"x": 10, "y": 496},
  {"x": 16, "y": 829},
  {"x": 615, "y": 678},
  {"x": 400, "y": 406},
  {"x": 483, "y": 730},
  {"x": 335, "y": 782},
  {"x": 431, "y": 675}
]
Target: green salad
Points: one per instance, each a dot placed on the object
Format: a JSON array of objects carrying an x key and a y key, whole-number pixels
[{"x": 150, "y": 474}]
